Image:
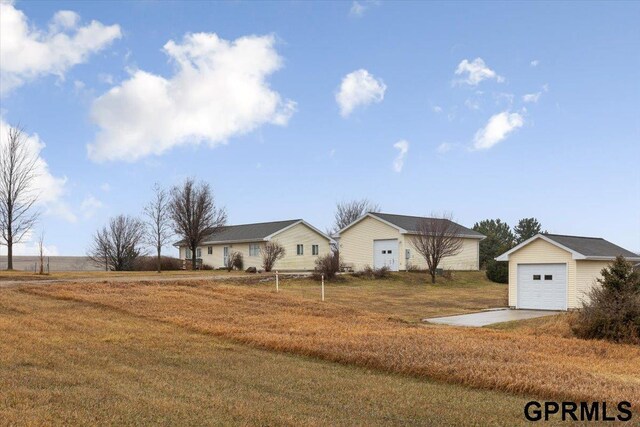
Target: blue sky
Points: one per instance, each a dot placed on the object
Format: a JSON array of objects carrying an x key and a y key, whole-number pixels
[{"x": 288, "y": 107}]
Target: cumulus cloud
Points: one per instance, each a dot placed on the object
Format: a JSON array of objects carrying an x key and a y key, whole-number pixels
[
  {"x": 218, "y": 91},
  {"x": 357, "y": 89},
  {"x": 27, "y": 52},
  {"x": 497, "y": 128},
  {"x": 402, "y": 147},
  {"x": 29, "y": 246},
  {"x": 531, "y": 97},
  {"x": 473, "y": 72},
  {"x": 50, "y": 189}
]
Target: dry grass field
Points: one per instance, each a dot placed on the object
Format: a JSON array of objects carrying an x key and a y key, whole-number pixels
[{"x": 178, "y": 351}]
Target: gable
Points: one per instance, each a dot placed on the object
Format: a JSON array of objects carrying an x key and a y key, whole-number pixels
[{"x": 373, "y": 227}]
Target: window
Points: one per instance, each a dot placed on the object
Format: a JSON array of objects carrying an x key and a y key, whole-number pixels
[
  {"x": 254, "y": 249},
  {"x": 199, "y": 253},
  {"x": 536, "y": 277},
  {"x": 384, "y": 252},
  {"x": 315, "y": 250},
  {"x": 389, "y": 251},
  {"x": 548, "y": 277},
  {"x": 407, "y": 254},
  {"x": 210, "y": 250},
  {"x": 300, "y": 249},
  {"x": 188, "y": 254}
]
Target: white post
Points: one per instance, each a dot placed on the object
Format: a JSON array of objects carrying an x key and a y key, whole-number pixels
[
  {"x": 277, "y": 280},
  {"x": 323, "y": 287}
]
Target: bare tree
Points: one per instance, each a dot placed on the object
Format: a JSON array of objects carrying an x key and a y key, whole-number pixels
[
  {"x": 118, "y": 244},
  {"x": 158, "y": 222},
  {"x": 437, "y": 238},
  {"x": 41, "y": 251},
  {"x": 347, "y": 212},
  {"x": 18, "y": 195},
  {"x": 272, "y": 252},
  {"x": 194, "y": 214}
]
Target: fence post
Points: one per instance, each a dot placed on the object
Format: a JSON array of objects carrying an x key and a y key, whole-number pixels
[
  {"x": 322, "y": 287},
  {"x": 277, "y": 281}
]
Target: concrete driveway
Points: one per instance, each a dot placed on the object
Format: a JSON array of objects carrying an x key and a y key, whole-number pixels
[{"x": 489, "y": 317}]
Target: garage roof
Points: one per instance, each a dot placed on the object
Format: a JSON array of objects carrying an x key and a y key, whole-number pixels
[
  {"x": 410, "y": 224},
  {"x": 595, "y": 248}
]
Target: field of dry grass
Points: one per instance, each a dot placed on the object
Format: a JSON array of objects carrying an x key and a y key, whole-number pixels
[
  {"x": 75, "y": 363},
  {"x": 505, "y": 360}
]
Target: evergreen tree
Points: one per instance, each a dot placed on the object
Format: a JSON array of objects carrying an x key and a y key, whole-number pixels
[
  {"x": 526, "y": 229},
  {"x": 499, "y": 239}
]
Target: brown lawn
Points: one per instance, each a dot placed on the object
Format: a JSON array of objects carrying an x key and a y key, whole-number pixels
[
  {"x": 66, "y": 362},
  {"x": 505, "y": 360}
]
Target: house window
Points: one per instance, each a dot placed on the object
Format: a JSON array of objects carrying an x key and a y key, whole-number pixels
[
  {"x": 536, "y": 277},
  {"x": 384, "y": 252},
  {"x": 300, "y": 249},
  {"x": 210, "y": 250},
  {"x": 315, "y": 250},
  {"x": 389, "y": 251},
  {"x": 188, "y": 254},
  {"x": 199, "y": 253},
  {"x": 548, "y": 277},
  {"x": 407, "y": 254},
  {"x": 254, "y": 249}
]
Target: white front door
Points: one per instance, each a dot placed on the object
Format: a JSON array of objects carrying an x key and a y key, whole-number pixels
[
  {"x": 225, "y": 255},
  {"x": 385, "y": 254},
  {"x": 542, "y": 286}
]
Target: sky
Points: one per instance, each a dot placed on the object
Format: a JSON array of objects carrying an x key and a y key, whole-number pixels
[{"x": 483, "y": 110}]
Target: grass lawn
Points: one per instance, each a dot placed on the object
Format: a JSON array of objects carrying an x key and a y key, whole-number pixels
[
  {"x": 407, "y": 296},
  {"x": 19, "y": 275},
  {"x": 74, "y": 363}
]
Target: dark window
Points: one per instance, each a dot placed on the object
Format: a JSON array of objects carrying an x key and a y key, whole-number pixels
[
  {"x": 315, "y": 250},
  {"x": 210, "y": 250},
  {"x": 548, "y": 277},
  {"x": 389, "y": 251},
  {"x": 536, "y": 277},
  {"x": 300, "y": 249},
  {"x": 199, "y": 253}
]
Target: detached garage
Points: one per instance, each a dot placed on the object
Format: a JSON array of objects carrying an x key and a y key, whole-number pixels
[{"x": 556, "y": 272}]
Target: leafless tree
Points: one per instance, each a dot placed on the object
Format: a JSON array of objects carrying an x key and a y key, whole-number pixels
[
  {"x": 158, "y": 222},
  {"x": 18, "y": 194},
  {"x": 118, "y": 244},
  {"x": 436, "y": 238},
  {"x": 347, "y": 212},
  {"x": 41, "y": 251},
  {"x": 194, "y": 214},
  {"x": 272, "y": 252},
  {"x": 234, "y": 260}
]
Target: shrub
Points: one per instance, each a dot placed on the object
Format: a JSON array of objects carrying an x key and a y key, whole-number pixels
[
  {"x": 613, "y": 309},
  {"x": 149, "y": 263},
  {"x": 234, "y": 260},
  {"x": 329, "y": 265},
  {"x": 373, "y": 273},
  {"x": 204, "y": 266},
  {"x": 272, "y": 252},
  {"x": 498, "y": 271}
]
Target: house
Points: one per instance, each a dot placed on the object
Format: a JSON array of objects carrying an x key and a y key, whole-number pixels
[
  {"x": 303, "y": 244},
  {"x": 556, "y": 272},
  {"x": 380, "y": 239}
]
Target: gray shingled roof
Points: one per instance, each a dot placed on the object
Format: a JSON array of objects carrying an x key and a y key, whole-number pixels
[
  {"x": 591, "y": 246},
  {"x": 410, "y": 223},
  {"x": 247, "y": 232}
]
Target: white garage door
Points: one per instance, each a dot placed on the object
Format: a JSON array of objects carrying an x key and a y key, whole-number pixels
[
  {"x": 542, "y": 286},
  {"x": 385, "y": 253}
]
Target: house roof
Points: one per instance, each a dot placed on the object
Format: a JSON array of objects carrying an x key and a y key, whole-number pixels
[
  {"x": 410, "y": 224},
  {"x": 251, "y": 232},
  {"x": 595, "y": 248}
]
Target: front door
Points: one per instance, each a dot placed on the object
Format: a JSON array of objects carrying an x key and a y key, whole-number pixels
[
  {"x": 385, "y": 254},
  {"x": 225, "y": 255}
]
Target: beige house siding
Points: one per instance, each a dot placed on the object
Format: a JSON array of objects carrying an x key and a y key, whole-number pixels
[
  {"x": 541, "y": 252},
  {"x": 356, "y": 248},
  {"x": 587, "y": 273},
  {"x": 290, "y": 238},
  {"x": 300, "y": 234}
]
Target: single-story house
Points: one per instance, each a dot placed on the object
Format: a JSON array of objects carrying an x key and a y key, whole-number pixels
[
  {"x": 556, "y": 272},
  {"x": 302, "y": 242},
  {"x": 380, "y": 239}
]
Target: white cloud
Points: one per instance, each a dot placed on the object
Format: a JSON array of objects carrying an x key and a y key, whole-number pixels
[
  {"x": 474, "y": 72},
  {"x": 27, "y": 52},
  {"x": 437, "y": 109},
  {"x": 444, "y": 147},
  {"x": 50, "y": 189},
  {"x": 29, "y": 246},
  {"x": 535, "y": 63},
  {"x": 359, "y": 88},
  {"x": 90, "y": 206},
  {"x": 218, "y": 91},
  {"x": 531, "y": 97},
  {"x": 402, "y": 147},
  {"x": 498, "y": 128},
  {"x": 545, "y": 87},
  {"x": 472, "y": 104},
  {"x": 359, "y": 7}
]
